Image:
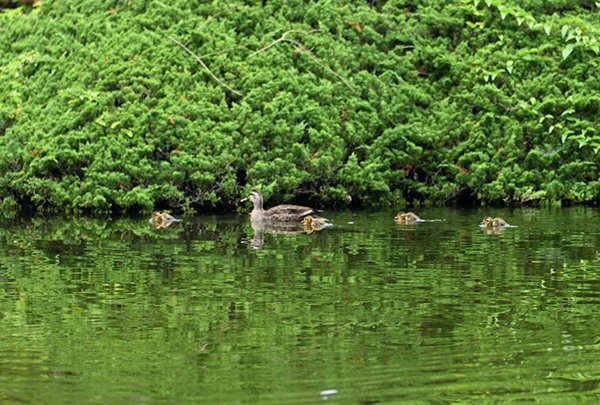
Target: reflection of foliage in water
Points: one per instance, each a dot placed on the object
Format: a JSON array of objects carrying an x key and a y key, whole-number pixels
[{"x": 370, "y": 294}]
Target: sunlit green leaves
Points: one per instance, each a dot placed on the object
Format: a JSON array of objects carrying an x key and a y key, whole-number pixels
[{"x": 567, "y": 51}]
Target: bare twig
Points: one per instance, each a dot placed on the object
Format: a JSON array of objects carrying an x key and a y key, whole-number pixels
[
  {"x": 204, "y": 66},
  {"x": 303, "y": 49},
  {"x": 317, "y": 61},
  {"x": 283, "y": 38}
]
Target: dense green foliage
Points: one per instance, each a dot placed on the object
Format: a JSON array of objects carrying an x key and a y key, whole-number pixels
[{"x": 369, "y": 103}]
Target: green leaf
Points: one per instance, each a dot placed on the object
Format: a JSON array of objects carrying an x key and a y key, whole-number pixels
[
  {"x": 563, "y": 30},
  {"x": 478, "y": 24},
  {"x": 503, "y": 12},
  {"x": 100, "y": 121},
  {"x": 488, "y": 2},
  {"x": 509, "y": 66},
  {"x": 567, "y": 51},
  {"x": 547, "y": 28},
  {"x": 567, "y": 112},
  {"x": 565, "y": 134},
  {"x": 582, "y": 141}
]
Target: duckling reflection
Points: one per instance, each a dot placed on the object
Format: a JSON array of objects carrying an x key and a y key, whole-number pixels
[
  {"x": 314, "y": 223},
  {"x": 162, "y": 220},
  {"x": 493, "y": 231},
  {"x": 407, "y": 218}
]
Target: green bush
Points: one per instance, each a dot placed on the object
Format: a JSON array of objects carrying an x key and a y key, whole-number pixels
[{"x": 364, "y": 103}]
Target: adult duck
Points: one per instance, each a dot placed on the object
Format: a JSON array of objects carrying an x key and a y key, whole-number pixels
[{"x": 279, "y": 213}]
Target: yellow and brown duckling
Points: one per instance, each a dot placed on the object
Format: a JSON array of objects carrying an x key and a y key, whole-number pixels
[
  {"x": 279, "y": 213},
  {"x": 162, "y": 219},
  {"x": 314, "y": 223},
  {"x": 489, "y": 222},
  {"x": 407, "y": 217}
]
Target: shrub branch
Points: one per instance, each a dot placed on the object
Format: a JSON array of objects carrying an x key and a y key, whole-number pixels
[
  {"x": 188, "y": 50},
  {"x": 304, "y": 50}
]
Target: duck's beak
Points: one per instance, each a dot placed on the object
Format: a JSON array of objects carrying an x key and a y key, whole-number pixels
[{"x": 244, "y": 199}]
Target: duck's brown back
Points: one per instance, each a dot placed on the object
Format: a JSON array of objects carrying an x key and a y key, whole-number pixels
[{"x": 286, "y": 213}]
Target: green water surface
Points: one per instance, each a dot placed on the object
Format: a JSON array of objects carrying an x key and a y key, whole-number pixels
[{"x": 116, "y": 312}]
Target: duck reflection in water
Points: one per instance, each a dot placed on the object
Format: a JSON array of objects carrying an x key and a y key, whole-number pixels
[
  {"x": 162, "y": 220},
  {"x": 281, "y": 228},
  {"x": 281, "y": 219}
]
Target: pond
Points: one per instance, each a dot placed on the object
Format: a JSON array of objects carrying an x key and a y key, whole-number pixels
[{"x": 367, "y": 311}]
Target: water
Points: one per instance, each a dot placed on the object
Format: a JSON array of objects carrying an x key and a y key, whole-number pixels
[{"x": 368, "y": 311}]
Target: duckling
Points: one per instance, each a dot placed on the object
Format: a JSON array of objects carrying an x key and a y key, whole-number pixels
[
  {"x": 162, "y": 219},
  {"x": 314, "y": 223},
  {"x": 404, "y": 217},
  {"x": 279, "y": 213},
  {"x": 489, "y": 222}
]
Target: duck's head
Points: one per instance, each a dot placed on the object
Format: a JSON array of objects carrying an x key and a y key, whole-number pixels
[
  {"x": 156, "y": 217},
  {"x": 256, "y": 197},
  {"x": 487, "y": 221},
  {"x": 308, "y": 220},
  {"x": 401, "y": 216}
]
